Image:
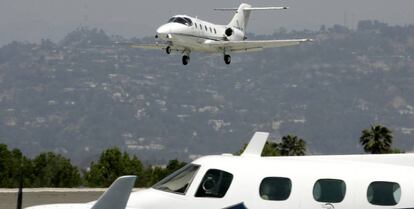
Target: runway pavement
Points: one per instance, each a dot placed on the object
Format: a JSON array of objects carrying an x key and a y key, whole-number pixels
[{"x": 8, "y": 197}]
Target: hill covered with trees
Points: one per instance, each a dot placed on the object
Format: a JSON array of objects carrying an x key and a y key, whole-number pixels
[{"x": 85, "y": 94}]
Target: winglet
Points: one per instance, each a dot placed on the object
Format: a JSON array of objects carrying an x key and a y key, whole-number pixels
[
  {"x": 256, "y": 144},
  {"x": 116, "y": 197}
]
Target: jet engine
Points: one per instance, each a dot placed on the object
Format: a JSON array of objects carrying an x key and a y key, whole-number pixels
[
  {"x": 229, "y": 32},
  {"x": 233, "y": 34}
]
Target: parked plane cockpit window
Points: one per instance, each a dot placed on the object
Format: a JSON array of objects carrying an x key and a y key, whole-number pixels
[
  {"x": 329, "y": 190},
  {"x": 384, "y": 193},
  {"x": 275, "y": 188},
  {"x": 179, "y": 181},
  {"x": 215, "y": 184}
]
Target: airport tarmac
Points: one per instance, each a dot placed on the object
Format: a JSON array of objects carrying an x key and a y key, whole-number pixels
[{"x": 31, "y": 197}]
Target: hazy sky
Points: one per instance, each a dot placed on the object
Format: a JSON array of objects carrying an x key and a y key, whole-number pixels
[{"x": 35, "y": 19}]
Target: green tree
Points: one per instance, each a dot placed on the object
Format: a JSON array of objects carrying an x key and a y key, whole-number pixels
[
  {"x": 271, "y": 149},
  {"x": 292, "y": 146},
  {"x": 154, "y": 174},
  {"x": 53, "y": 170},
  {"x": 11, "y": 164},
  {"x": 377, "y": 140},
  {"x": 112, "y": 164}
]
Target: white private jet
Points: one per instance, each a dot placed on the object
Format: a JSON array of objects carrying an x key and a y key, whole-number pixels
[
  {"x": 186, "y": 34},
  {"x": 251, "y": 181}
]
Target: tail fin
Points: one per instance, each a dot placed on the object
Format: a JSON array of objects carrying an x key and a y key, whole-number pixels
[
  {"x": 241, "y": 18},
  {"x": 116, "y": 197},
  {"x": 256, "y": 144}
]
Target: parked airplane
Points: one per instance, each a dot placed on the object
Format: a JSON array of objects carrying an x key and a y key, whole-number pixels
[
  {"x": 251, "y": 181},
  {"x": 186, "y": 34}
]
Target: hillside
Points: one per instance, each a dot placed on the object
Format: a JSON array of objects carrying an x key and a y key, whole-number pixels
[{"x": 84, "y": 94}]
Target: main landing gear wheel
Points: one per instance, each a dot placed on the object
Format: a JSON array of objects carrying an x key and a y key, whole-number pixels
[
  {"x": 168, "y": 50},
  {"x": 227, "y": 59},
  {"x": 186, "y": 59}
]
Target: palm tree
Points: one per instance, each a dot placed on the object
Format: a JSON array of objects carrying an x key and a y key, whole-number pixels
[
  {"x": 270, "y": 149},
  {"x": 376, "y": 140},
  {"x": 292, "y": 146}
]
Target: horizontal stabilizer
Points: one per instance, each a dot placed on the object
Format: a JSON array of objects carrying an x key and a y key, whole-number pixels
[
  {"x": 265, "y": 8},
  {"x": 116, "y": 197},
  {"x": 225, "y": 9},
  {"x": 252, "y": 8}
]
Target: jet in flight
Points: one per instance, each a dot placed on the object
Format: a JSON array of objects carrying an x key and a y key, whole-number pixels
[
  {"x": 251, "y": 181},
  {"x": 185, "y": 34}
]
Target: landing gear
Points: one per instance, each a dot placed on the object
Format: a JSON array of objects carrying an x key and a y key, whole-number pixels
[
  {"x": 168, "y": 50},
  {"x": 186, "y": 59},
  {"x": 227, "y": 59}
]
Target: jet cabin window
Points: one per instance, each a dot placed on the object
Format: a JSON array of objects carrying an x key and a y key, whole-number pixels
[
  {"x": 183, "y": 20},
  {"x": 329, "y": 190},
  {"x": 214, "y": 184},
  {"x": 179, "y": 181},
  {"x": 275, "y": 188},
  {"x": 384, "y": 193}
]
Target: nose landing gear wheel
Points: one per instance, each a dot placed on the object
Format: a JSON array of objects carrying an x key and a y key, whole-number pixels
[
  {"x": 168, "y": 50},
  {"x": 186, "y": 59},
  {"x": 227, "y": 59}
]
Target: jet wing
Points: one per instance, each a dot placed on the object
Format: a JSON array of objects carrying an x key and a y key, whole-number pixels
[
  {"x": 148, "y": 46},
  {"x": 245, "y": 46},
  {"x": 156, "y": 46}
]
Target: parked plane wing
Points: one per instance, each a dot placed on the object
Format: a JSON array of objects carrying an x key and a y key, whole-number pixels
[{"x": 240, "y": 46}]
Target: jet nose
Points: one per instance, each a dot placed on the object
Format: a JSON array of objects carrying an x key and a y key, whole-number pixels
[
  {"x": 164, "y": 32},
  {"x": 164, "y": 29}
]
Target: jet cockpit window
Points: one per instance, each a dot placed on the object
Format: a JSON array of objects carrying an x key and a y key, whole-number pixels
[
  {"x": 215, "y": 184},
  {"x": 188, "y": 20},
  {"x": 179, "y": 181},
  {"x": 182, "y": 20}
]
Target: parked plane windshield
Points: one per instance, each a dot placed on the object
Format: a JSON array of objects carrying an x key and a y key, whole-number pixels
[
  {"x": 179, "y": 181},
  {"x": 182, "y": 20}
]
